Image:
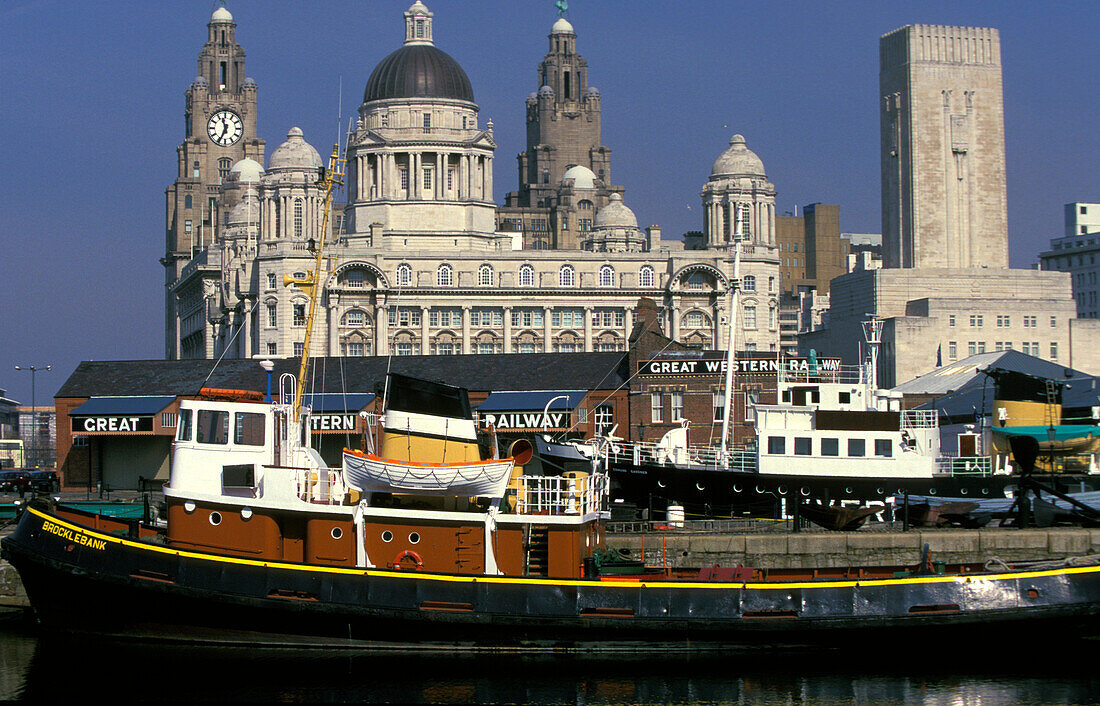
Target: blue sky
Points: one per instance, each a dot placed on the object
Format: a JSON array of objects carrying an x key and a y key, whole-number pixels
[{"x": 91, "y": 111}]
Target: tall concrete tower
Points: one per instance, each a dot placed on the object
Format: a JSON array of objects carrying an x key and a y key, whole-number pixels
[{"x": 943, "y": 151}]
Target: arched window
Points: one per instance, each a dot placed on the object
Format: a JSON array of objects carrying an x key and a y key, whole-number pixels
[
  {"x": 297, "y": 218},
  {"x": 743, "y": 226},
  {"x": 355, "y": 318},
  {"x": 526, "y": 276},
  {"x": 696, "y": 319},
  {"x": 748, "y": 283},
  {"x": 567, "y": 276},
  {"x": 485, "y": 276},
  {"x": 355, "y": 279},
  {"x": 607, "y": 276},
  {"x": 695, "y": 280},
  {"x": 445, "y": 276},
  {"x": 404, "y": 275},
  {"x": 584, "y": 205},
  {"x": 771, "y": 284},
  {"x": 187, "y": 201},
  {"x": 224, "y": 165},
  {"x": 646, "y": 277}
]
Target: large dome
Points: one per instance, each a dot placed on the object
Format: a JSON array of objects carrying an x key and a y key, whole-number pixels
[
  {"x": 583, "y": 177},
  {"x": 418, "y": 71},
  {"x": 737, "y": 160}
]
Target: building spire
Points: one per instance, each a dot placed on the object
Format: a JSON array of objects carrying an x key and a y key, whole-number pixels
[{"x": 418, "y": 24}]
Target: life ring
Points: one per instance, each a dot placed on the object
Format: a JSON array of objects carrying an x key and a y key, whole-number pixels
[{"x": 408, "y": 553}]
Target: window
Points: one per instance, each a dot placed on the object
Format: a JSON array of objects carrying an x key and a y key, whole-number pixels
[
  {"x": 224, "y": 165},
  {"x": 272, "y": 316},
  {"x": 752, "y": 398},
  {"x": 830, "y": 447},
  {"x": 404, "y": 316},
  {"x": 950, "y": 319},
  {"x": 607, "y": 276},
  {"x": 187, "y": 226},
  {"x": 777, "y": 445},
  {"x": 355, "y": 318},
  {"x": 183, "y": 432},
  {"x": 272, "y": 348},
  {"x": 167, "y": 421},
  {"x": 195, "y": 169},
  {"x": 403, "y": 175},
  {"x": 645, "y": 277},
  {"x": 694, "y": 319},
  {"x": 748, "y": 283},
  {"x": 750, "y": 317},
  {"x": 248, "y": 428},
  {"x": 1031, "y": 321},
  {"x": 567, "y": 276},
  {"x": 299, "y": 314},
  {"x": 299, "y": 349},
  {"x": 485, "y": 276},
  {"x": 354, "y": 349},
  {"x": 355, "y": 279},
  {"x": 584, "y": 224},
  {"x": 976, "y": 320},
  {"x": 404, "y": 349},
  {"x": 1054, "y": 350},
  {"x": 213, "y": 427},
  {"x": 404, "y": 275},
  {"x": 567, "y": 318},
  {"x": 972, "y": 348},
  {"x": 857, "y": 448},
  {"x": 487, "y": 318},
  {"x": 604, "y": 418},
  {"x": 297, "y": 218},
  {"x": 981, "y": 346},
  {"x": 427, "y": 116},
  {"x": 677, "y": 406},
  {"x": 187, "y": 201},
  {"x": 427, "y": 177},
  {"x": 444, "y": 318},
  {"x": 883, "y": 447},
  {"x": 656, "y": 407},
  {"x": 444, "y": 276},
  {"x": 1054, "y": 322},
  {"x": 718, "y": 405},
  {"x": 1004, "y": 320},
  {"x": 695, "y": 280},
  {"x": 803, "y": 446},
  {"x": 271, "y": 280},
  {"x": 526, "y": 276},
  {"x": 608, "y": 318}
]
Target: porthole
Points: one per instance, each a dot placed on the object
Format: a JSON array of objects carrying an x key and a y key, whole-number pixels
[
  {"x": 848, "y": 490},
  {"x": 931, "y": 491},
  {"x": 337, "y": 533},
  {"x": 964, "y": 491},
  {"x": 215, "y": 518},
  {"x": 782, "y": 490},
  {"x": 804, "y": 491},
  {"x": 414, "y": 538},
  {"x": 246, "y": 513},
  {"x": 737, "y": 489},
  {"x": 189, "y": 507},
  {"x": 387, "y": 536}
]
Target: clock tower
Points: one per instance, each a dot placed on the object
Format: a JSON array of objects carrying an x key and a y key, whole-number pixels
[{"x": 219, "y": 131}]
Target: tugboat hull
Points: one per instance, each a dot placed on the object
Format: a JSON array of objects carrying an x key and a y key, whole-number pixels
[{"x": 81, "y": 579}]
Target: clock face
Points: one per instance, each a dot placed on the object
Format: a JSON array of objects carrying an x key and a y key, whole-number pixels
[{"x": 224, "y": 128}]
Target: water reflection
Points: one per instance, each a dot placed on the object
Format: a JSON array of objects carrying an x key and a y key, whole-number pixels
[{"x": 54, "y": 668}]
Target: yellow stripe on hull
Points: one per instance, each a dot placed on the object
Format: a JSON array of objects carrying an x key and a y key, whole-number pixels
[{"x": 412, "y": 447}]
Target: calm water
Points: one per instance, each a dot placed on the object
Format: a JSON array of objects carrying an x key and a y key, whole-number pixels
[{"x": 57, "y": 670}]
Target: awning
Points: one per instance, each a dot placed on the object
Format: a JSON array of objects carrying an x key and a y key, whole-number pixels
[
  {"x": 1062, "y": 432},
  {"x": 338, "y": 401},
  {"x": 532, "y": 401},
  {"x": 116, "y": 406}
]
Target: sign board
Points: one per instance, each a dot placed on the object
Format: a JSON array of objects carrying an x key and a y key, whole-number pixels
[
  {"x": 744, "y": 366},
  {"x": 334, "y": 422},
  {"x": 553, "y": 420},
  {"x": 119, "y": 423}
]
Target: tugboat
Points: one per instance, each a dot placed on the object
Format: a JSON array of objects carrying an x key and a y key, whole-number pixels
[{"x": 428, "y": 538}]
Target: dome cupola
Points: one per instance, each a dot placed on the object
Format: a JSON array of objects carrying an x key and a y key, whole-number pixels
[
  {"x": 615, "y": 214},
  {"x": 737, "y": 161},
  {"x": 295, "y": 153}
]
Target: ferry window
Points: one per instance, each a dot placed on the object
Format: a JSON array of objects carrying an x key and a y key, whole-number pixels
[
  {"x": 844, "y": 397},
  {"x": 830, "y": 447},
  {"x": 803, "y": 446},
  {"x": 857, "y": 447},
  {"x": 248, "y": 429},
  {"x": 777, "y": 444},
  {"x": 883, "y": 447},
  {"x": 242, "y": 476},
  {"x": 213, "y": 427},
  {"x": 184, "y": 432}
]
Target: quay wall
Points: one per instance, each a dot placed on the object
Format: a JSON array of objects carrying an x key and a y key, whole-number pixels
[{"x": 853, "y": 549}]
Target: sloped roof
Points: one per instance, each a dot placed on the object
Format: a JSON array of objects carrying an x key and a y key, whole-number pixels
[{"x": 505, "y": 371}]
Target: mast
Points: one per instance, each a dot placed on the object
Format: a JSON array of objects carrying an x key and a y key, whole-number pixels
[
  {"x": 313, "y": 279},
  {"x": 735, "y": 286}
]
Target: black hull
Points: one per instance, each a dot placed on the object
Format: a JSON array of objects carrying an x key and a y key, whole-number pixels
[{"x": 106, "y": 584}]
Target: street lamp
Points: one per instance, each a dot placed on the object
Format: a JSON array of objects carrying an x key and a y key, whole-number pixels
[
  {"x": 546, "y": 410},
  {"x": 34, "y": 416}
]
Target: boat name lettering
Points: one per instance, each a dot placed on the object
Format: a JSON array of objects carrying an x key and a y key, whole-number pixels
[
  {"x": 332, "y": 422},
  {"x": 527, "y": 420},
  {"x": 99, "y": 424},
  {"x": 74, "y": 537},
  {"x": 715, "y": 366}
]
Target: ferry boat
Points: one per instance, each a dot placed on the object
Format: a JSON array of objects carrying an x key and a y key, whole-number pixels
[{"x": 428, "y": 537}]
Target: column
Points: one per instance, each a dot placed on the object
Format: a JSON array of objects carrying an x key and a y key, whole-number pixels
[
  {"x": 466, "y": 329},
  {"x": 588, "y": 329},
  {"x": 674, "y": 320},
  {"x": 771, "y": 224},
  {"x": 547, "y": 332},
  {"x": 246, "y": 328},
  {"x": 333, "y": 312},
  {"x": 507, "y": 329},
  {"x": 425, "y": 335},
  {"x": 381, "y": 325},
  {"x": 488, "y": 179}
]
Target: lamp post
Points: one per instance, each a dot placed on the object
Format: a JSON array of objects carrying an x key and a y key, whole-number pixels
[
  {"x": 546, "y": 410},
  {"x": 34, "y": 417}
]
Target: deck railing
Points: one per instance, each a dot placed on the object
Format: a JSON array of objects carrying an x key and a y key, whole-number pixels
[
  {"x": 573, "y": 494},
  {"x": 741, "y": 458},
  {"x": 964, "y": 466},
  {"x": 919, "y": 419}
]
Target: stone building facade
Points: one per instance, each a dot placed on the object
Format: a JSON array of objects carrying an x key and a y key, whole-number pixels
[
  {"x": 1076, "y": 252},
  {"x": 420, "y": 266},
  {"x": 942, "y": 149}
]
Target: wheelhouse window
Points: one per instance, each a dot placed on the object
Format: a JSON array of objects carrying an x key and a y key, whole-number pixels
[
  {"x": 248, "y": 428},
  {"x": 883, "y": 447},
  {"x": 213, "y": 427},
  {"x": 183, "y": 433},
  {"x": 803, "y": 446},
  {"x": 830, "y": 447},
  {"x": 857, "y": 448},
  {"x": 777, "y": 445}
]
